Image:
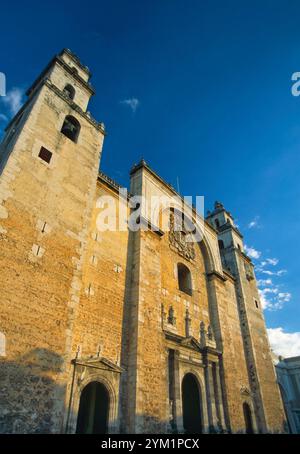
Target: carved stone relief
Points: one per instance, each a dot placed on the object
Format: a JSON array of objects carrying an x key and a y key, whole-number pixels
[{"x": 178, "y": 237}]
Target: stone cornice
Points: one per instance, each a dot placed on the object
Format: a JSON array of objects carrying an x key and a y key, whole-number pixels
[
  {"x": 58, "y": 59},
  {"x": 216, "y": 274},
  {"x": 152, "y": 228},
  {"x": 228, "y": 226},
  {"x": 191, "y": 343},
  {"x": 112, "y": 184},
  {"x": 207, "y": 351},
  {"x": 62, "y": 95},
  {"x": 88, "y": 117},
  {"x": 245, "y": 256},
  {"x": 76, "y": 59},
  {"x": 98, "y": 363},
  {"x": 218, "y": 210},
  {"x": 229, "y": 275}
]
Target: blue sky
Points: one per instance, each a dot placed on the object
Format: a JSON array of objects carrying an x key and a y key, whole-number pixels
[{"x": 208, "y": 85}]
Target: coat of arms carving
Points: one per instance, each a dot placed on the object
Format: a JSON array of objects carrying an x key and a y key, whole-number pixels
[{"x": 179, "y": 237}]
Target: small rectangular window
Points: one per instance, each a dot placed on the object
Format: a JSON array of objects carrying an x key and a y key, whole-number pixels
[{"x": 45, "y": 155}]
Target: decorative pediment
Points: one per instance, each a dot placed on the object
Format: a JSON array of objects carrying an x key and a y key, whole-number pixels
[
  {"x": 98, "y": 363},
  {"x": 191, "y": 342}
]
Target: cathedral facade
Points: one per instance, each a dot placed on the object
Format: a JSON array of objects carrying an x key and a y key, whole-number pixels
[{"x": 118, "y": 330}]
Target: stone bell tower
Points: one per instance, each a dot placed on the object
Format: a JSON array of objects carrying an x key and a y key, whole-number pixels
[
  {"x": 262, "y": 378},
  {"x": 49, "y": 164}
]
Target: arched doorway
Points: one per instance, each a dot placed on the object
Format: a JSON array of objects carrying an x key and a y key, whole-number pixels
[
  {"x": 191, "y": 405},
  {"x": 248, "y": 418},
  {"x": 93, "y": 410}
]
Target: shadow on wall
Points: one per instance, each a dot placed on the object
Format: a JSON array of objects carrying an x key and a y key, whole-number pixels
[{"x": 31, "y": 400}]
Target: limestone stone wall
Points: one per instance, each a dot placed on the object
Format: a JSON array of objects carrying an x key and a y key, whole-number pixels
[
  {"x": 99, "y": 322},
  {"x": 229, "y": 340},
  {"x": 271, "y": 400},
  {"x": 196, "y": 304},
  {"x": 151, "y": 359},
  {"x": 212, "y": 302},
  {"x": 45, "y": 214},
  {"x": 100, "y": 311},
  {"x": 80, "y": 305},
  {"x": 59, "y": 75}
]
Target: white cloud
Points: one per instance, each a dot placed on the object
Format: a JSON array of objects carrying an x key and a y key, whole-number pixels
[
  {"x": 271, "y": 296},
  {"x": 254, "y": 223},
  {"x": 283, "y": 343},
  {"x": 267, "y": 302},
  {"x": 284, "y": 296},
  {"x": 273, "y": 262},
  {"x": 272, "y": 273},
  {"x": 13, "y": 100},
  {"x": 270, "y": 290},
  {"x": 3, "y": 117},
  {"x": 264, "y": 282},
  {"x": 133, "y": 103},
  {"x": 251, "y": 252},
  {"x": 273, "y": 300},
  {"x": 269, "y": 273}
]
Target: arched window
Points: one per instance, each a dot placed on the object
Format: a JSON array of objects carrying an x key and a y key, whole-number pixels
[
  {"x": 221, "y": 244},
  {"x": 217, "y": 222},
  {"x": 69, "y": 91},
  {"x": 71, "y": 128},
  {"x": 184, "y": 279}
]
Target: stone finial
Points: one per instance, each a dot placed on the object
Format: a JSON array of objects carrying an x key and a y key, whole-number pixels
[
  {"x": 210, "y": 334},
  {"x": 202, "y": 334},
  {"x": 79, "y": 351},
  {"x": 99, "y": 350},
  {"x": 202, "y": 327},
  {"x": 171, "y": 317},
  {"x": 218, "y": 205},
  {"x": 187, "y": 323}
]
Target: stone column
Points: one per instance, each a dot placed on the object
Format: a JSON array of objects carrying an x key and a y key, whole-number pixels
[
  {"x": 187, "y": 324},
  {"x": 219, "y": 398},
  {"x": 211, "y": 402},
  {"x": 178, "y": 399}
]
